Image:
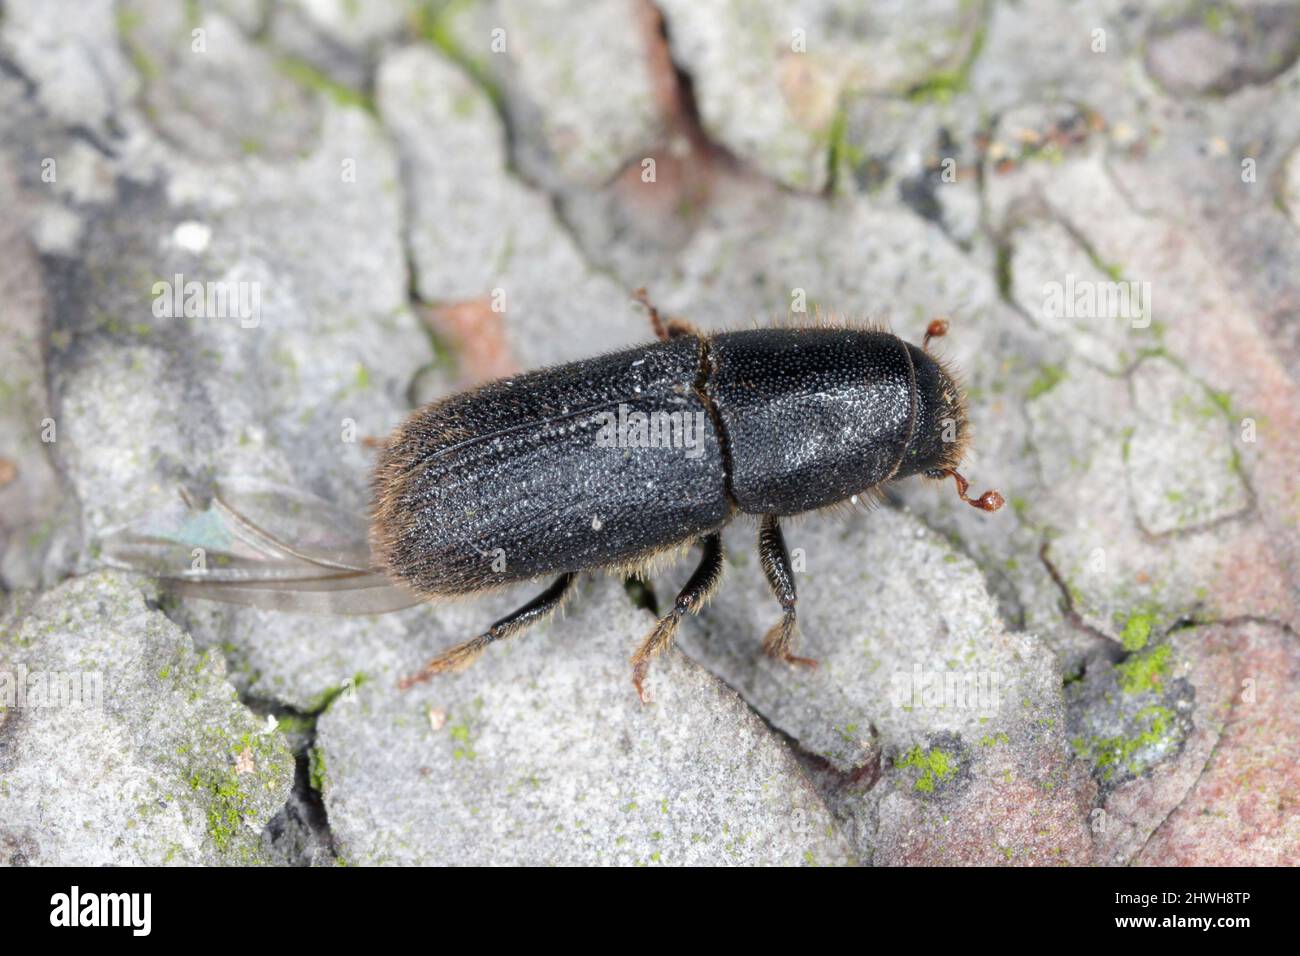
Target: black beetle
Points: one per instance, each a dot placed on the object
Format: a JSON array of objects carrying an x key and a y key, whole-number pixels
[{"x": 615, "y": 461}]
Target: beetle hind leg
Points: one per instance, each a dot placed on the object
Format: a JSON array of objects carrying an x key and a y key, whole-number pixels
[
  {"x": 775, "y": 558},
  {"x": 699, "y": 588},
  {"x": 463, "y": 654}
]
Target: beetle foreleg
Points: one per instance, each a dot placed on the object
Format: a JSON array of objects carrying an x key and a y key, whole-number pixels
[
  {"x": 698, "y": 589},
  {"x": 464, "y": 654},
  {"x": 775, "y": 558}
]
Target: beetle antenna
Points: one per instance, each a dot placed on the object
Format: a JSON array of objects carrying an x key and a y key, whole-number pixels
[
  {"x": 937, "y": 329},
  {"x": 989, "y": 501},
  {"x": 656, "y": 321}
]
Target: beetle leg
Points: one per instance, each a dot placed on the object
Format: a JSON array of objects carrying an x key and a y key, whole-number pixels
[
  {"x": 698, "y": 589},
  {"x": 464, "y": 654},
  {"x": 664, "y": 329},
  {"x": 775, "y": 558}
]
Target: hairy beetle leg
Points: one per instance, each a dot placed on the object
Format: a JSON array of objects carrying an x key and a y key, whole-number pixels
[
  {"x": 989, "y": 501},
  {"x": 775, "y": 558},
  {"x": 659, "y": 640},
  {"x": 465, "y": 653},
  {"x": 776, "y": 644},
  {"x": 699, "y": 588},
  {"x": 664, "y": 329}
]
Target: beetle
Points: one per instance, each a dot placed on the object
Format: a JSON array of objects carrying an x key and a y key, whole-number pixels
[{"x": 614, "y": 462}]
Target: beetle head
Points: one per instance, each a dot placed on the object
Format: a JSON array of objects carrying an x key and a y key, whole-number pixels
[{"x": 942, "y": 429}]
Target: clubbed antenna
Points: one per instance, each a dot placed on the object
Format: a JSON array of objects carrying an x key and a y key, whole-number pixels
[
  {"x": 989, "y": 501},
  {"x": 937, "y": 329}
]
